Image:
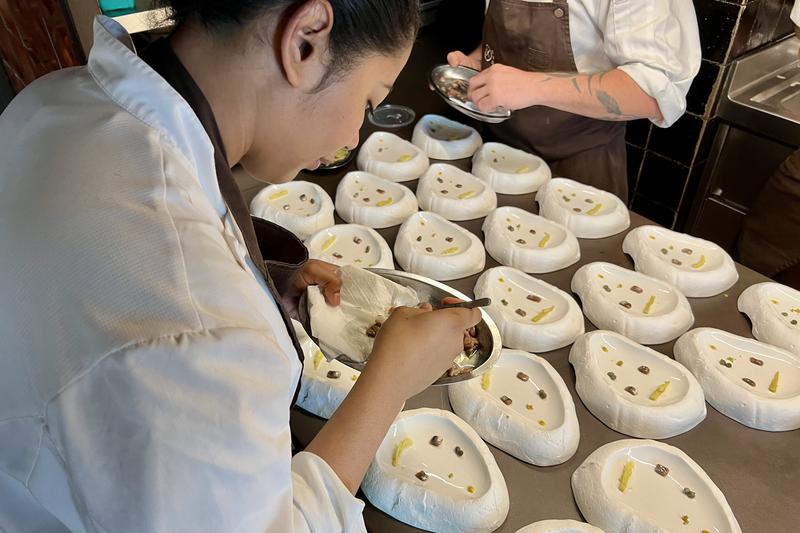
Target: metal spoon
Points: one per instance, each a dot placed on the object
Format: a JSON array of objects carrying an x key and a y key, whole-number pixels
[{"x": 481, "y": 302}]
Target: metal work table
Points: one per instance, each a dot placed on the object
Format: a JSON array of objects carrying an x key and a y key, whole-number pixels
[{"x": 758, "y": 471}]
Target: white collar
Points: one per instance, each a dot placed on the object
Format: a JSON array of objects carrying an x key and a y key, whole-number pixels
[{"x": 138, "y": 89}]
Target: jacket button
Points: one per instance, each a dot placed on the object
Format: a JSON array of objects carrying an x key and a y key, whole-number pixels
[{"x": 559, "y": 12}]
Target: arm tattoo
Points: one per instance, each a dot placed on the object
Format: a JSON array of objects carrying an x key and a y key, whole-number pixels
[
  {"x": 608, "y": 102},
  {"x": 575, "y": 84}
]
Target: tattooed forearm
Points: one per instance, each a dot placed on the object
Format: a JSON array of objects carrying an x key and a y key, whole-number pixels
[
  {"x": 608, "y": 102},
  {"x": 575, "y": 84}
]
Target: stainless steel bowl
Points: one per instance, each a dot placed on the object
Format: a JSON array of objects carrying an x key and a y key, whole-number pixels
[
  {"x": 433, "y": 292},
  {"x": 445, "y": 73}
]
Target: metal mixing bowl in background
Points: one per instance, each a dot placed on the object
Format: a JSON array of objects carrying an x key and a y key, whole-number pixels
[
  {"x": 432, "y": 292},
  {"x": 442, "y": 75}
]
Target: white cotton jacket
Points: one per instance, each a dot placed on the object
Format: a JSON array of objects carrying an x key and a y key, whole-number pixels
[
  {"x": 655, "y": 42},
  {"x": 146, "y": 375}
]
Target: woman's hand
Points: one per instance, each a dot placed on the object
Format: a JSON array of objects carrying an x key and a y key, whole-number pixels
[
  {"x": 457, "y": 59},
  {"x": 415, "y": 346},
  {"x": 327, "y": 276},
  {"x": 501, "y": 85}
]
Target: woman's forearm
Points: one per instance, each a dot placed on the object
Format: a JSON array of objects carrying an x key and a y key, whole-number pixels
[{"x": 348, "y": 441}]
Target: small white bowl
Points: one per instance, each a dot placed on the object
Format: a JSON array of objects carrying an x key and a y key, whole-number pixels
[
  {"x": 462, "y": 488},
  {"x": 508, "y": 170},
  {"x": 774, "y": 311},
  {"x": 517, "y": 238},
  {"x": 560, "y": 526},
  {"x": 445, "y": 139},
  {"x": 531, "y": 314},
  {"x": 650, "y": 502},
  {"x": 364, "y": 198},
  {"x": 388, "y": 156},
  {"x": 590, "y": 213},
  {"x": 351, "y": 244},
  {"x": 430, "y": 246},
  {"x": 523, "y": 407},
  {"x": 696, "y": 267},
  {"x": 301, "y": 207},
  {"x": 645, "y": 309},
  {"x": 635, "y": 390},
  {"x": 455, "y": 194},
  {"x": 756, "y": 384}
]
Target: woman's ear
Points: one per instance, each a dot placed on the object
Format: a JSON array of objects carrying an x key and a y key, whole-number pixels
[{"x": 305, "y": 42}]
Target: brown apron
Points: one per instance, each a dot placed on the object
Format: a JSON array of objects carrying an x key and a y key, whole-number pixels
[
  {"x": 534, "y": 36},
  {"x": 285, "y": 254},
  {"x": 770, "y": 238}
]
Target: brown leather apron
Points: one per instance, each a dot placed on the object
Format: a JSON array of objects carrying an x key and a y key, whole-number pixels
[
  {"x": 285, "y": 254},
  {"x": 534, "y": 36},
  {"x": 770, "y": 238}
]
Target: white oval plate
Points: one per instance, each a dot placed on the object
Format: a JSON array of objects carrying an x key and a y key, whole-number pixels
[
  {"x": 301, "y": 207},
  {"x": 351, "y": 244},
  {"x": 508, "y": 170},
  {"x": 645, "y": 309},
  {"x": 324, "y": 384},
  {"x": 635, "y": 390},
  {"x": 430, "y": 246},
  {"x": 364, "y": 198},
  {"x": 391, "y": 157},
  {"x": 756, "y": 384},
  {"x": 650, "y": 503},
  {"x": 531, "y": 314},
  {"x": 590, "y": 213},
  {"x": 445, "y": 139},
  {"x": 523, "y": 407},
  {"x": 774, "y": 311},
  {"x": 517, "y": 238},
  {"x": 465, "y": 492},
  {"x": 696, "y": 267},
  {"x": 454, "y": 194},
  {"x": 560, "y": 526}
]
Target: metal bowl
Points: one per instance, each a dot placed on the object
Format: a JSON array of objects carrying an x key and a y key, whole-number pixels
[
  {"x": 338, "y": 164},
  {"x": 441, "y": 74},
  {"x": 432, "y": 292}
]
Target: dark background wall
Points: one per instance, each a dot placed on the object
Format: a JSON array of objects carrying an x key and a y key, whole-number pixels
[{"x": 665, "y": 165}]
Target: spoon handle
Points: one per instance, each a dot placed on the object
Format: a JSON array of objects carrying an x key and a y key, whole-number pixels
[{"x": 482, "y": 302}]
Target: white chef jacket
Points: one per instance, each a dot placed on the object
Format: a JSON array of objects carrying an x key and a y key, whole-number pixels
[
  {"x": 656, "y": 42},
  {"x": 145, "y": 372}
]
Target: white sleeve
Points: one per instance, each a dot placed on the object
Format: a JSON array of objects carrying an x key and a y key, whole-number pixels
[
  {"x": 657, "y": 44},
  {"x": 191, "y": 433},
  {"x": 795, "y": 14}
]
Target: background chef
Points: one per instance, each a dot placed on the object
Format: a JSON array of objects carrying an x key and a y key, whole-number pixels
[{"x": 575, "y": 71}]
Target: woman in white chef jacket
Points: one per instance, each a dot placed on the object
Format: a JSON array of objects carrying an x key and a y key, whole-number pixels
[
  {"x": 146, "y": 368},
  {"x": 575, "y": 70}
]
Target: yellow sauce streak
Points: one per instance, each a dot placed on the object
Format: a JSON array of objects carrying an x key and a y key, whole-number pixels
[
  {"x": 543, "y": 313},
  {"x": 545, "y": 240},
  {"x": 328, "y": 243},
  {"x": 596, "y": 209},
  {"x": 627, "y": 471},
  {"x": 465, "y": 195},
  {"x": 403, "y": 158},
  {"x": 773, "y": 385},
  {"x": 451, "y": 251},
  {"x": 649, "y": 305},
  {"x": 399, "y": 449},
  {"x": 384, "y": 203},
  {"x": 522, "y": 170},
  {"x": 279, "y": 194},
  {"x": 659, "y": 391},
  {"x": 486, "y": 380},
  {"x": 700, "y": 263},
  {"x": 318, "y": 357}
]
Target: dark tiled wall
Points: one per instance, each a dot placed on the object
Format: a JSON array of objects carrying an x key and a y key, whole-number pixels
[{"x": 664, "y": 165}]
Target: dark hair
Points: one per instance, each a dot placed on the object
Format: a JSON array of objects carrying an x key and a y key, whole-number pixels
[{"x": 360, "y": 27}]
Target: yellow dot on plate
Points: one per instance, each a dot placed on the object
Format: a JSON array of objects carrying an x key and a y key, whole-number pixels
[
  {"x": 652, "y": 237},
  {"x": 471, "y": 489},
  {"x": 712, "y": 346},
  {"x": 775, "y": 301},
  {"x": 529, "y": 407},
  {"x": 601, "y": 276},
  {"x": 620, "y": 362},
  {"x": 501, "y": 280},
  {"x": 542, "y": 423},
  {"x": 604, "y": 348}
]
